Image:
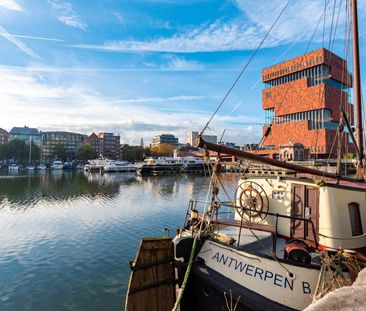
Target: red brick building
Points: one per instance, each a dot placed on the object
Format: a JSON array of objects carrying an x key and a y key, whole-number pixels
[
  {"x": 95, "y": 142},
  {"x": 4, "y": 135},
  {"x": 109, "y": 145},
  {"x": 302, "y": 100}
]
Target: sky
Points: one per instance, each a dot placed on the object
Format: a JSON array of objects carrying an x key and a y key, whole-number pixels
[{"x": 142, "y": 67}]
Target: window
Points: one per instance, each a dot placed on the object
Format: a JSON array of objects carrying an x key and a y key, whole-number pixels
[
  {"x": 278, "y": 195},
  {"x": 355, "y": 217}
]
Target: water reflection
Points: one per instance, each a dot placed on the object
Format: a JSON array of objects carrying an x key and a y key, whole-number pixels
[
  {"x": 66, "y": 237},
  {"x": 59, "y": 185}
]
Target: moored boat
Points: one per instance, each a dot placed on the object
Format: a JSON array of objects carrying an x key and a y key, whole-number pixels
[
  {"x": 13, "y": 167},
  {"x": 96, "y": 165},
  {"x": 119, "y": 166},
  {"x": 68, "y": 165},
  {"x": 57, "y": 165},
  {"x": 42, "y": 167},
  {"x": 160, "y": 166}
]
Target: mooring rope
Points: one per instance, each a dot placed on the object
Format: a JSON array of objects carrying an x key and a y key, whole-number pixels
[{"x": 190, "y": 261}]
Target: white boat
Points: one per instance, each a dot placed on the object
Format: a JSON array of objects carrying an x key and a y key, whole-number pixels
[
  {"x": 193, "y": 165},
  {"x": 96, "y": 165},
  {"x": 30, "y": 167},
  {"x": 13, "y": 168},
  {"x": 119, "y": 166},
  {"x": 285, "y": 242},
  {"x": 160, "y": 166},
  {"x": 57, "y": 165},
  {"x": 42, "y": 167}
]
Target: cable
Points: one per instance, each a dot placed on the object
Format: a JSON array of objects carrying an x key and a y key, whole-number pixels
[{"x": 245, "y": 67}]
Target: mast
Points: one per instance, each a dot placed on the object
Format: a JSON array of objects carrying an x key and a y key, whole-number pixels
[
  {"x": 357, "y": 89},
  {"x": 30, "y": 150}
]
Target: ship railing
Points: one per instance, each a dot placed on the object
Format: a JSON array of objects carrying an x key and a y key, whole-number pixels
[{"x": 199, "y": 205}]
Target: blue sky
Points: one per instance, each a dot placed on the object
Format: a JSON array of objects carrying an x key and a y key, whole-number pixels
[{"x": 140, "y": 67}]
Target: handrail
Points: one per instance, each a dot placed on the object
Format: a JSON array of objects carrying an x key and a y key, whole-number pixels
[{"x": 276, "y": 215}]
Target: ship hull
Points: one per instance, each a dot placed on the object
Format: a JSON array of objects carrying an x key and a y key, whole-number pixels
[{"x": 208, "y": 290}]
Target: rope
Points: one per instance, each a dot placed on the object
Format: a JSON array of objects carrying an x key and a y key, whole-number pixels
[
  {"x": 245, "y": 67},
  {"x": 191, "y": 256}
]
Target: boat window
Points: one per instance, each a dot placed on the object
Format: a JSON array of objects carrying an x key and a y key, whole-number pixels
[
  {"x": 278, "y": 195},
  {"x": 355, "y": 217}
]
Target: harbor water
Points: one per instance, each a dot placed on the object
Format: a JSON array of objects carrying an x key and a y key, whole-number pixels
[{"x": 66, "y": 237}]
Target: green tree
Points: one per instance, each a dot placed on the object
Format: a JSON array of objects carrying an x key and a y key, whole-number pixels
[
  {"x": 134, "y": 153},
  {"x": 86, "y": 152},
  {"x": 4, "y": 152},
  {"x": 18, "y": 150},
  {"x": 60, "y": 152}
]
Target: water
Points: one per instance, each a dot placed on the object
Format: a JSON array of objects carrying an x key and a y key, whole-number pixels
[{"x": 66, "y": 238}]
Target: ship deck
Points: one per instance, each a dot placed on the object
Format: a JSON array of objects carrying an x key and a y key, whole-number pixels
[{"x": 252, "y": 240}]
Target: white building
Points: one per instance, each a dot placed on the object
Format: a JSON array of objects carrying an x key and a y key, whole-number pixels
[{"x": 192, "y": 136}]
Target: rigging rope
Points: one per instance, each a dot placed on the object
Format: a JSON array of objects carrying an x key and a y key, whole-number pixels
[
  {"x": 191, "y": 256},
  {"x": 245, "y": 67}
]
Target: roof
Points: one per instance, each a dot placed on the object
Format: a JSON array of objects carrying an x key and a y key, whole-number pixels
[{"x": 24, "y": 131}]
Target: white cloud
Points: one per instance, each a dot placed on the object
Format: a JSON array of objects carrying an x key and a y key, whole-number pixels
[
  {"x": 180, "y": 64},
  {"x": 30, "y": 37},
  {"x": 19, "y": 44},
  {"x": 242, "y": 33},
  {"x": 119, "y": 17},
  {"x": 11, "y": 5},
  {"x": 29, "y": 98},
  {"x": 67, "y": 15}
]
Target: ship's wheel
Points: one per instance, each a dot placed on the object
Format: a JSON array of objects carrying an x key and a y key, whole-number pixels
[{"x": 252, "y": 201}]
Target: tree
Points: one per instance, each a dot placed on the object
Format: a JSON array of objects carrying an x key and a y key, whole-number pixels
[
  {"x": 18, "y": 150},
  {"x": 165, "y": 150},
  {"x": 134, "y": 153},
  {"x": 4, "y": 152},
  {"x": 86, "y": 152},
  {"x": 60, "y": 152}
]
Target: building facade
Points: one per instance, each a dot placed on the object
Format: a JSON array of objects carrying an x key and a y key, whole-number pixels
[
  {"x": 168, "y": 139},
  {"x": 26, "y": 134},
  {"x": 4, "y": 135},
  {"x": 193, "y": 135},
  {"x": 109, "y": 145},
  {"x": 95, "y": 142},
  {"x": 302, "y": 99},
  {"x": 56, "y": 143}
]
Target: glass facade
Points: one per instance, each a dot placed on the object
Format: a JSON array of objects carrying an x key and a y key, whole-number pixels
[
  {"x": 315, "y": 75},
  {"x": 318, "y": 119}
]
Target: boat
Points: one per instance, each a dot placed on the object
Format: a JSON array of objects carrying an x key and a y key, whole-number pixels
[
  {"x": 57, "y": 165},
  {"x": 194, "y": 165},
  {"x": 68, "y": 166},
  {"x": 119, "y": 166},
  {"x": 13, "y": 167},
  {"x": 30, "y": 167},
  {"x": 42, "y": 167},
  {"x": 172, "y": 165},
  {"x": 287, "y": 241},
  {"x": 97, "y": 165},
  {"x": 160, "y": 166}
]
